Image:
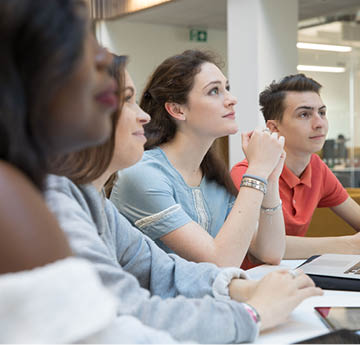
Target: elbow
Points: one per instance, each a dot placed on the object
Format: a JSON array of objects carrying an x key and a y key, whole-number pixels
[{"x": 271, "y": 258}]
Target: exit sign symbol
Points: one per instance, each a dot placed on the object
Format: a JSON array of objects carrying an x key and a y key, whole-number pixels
[{"x": 198, "y": 35}]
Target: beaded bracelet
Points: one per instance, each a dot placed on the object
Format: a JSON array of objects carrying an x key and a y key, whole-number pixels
[
  {"x": 270, "y": 210},
  {"x": 253, "y": 183},
  {"x": 263, "y": 180},
  {"x": 253, "y": 313}
]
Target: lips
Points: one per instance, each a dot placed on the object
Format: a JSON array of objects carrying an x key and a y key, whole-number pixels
[
  {"x": 230, "y": 115},
  {"x": 317, "y": 137},
  {"x": 108, "y": 97},
  {"x": 140, "y": 135}
]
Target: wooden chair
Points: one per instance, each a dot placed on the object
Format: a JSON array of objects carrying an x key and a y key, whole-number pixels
[{"x": 326, "y": 223}]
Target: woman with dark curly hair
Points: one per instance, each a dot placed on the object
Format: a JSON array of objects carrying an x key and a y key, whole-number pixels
[{"x": 56, "y": 96}]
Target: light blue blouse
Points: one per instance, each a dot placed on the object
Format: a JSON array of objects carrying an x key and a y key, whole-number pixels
[{"x": 155, "y": 198}]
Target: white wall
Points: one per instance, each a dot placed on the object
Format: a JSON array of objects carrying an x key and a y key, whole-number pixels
[{"x": 148, "y": 45}]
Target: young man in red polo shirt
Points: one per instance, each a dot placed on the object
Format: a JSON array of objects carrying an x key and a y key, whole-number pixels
[{"x": 293, "y": 108}]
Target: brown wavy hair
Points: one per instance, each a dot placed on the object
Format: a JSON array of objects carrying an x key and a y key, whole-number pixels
[
  {"x": 172, "y": 81},
  {"x": 87, "y": 165}
]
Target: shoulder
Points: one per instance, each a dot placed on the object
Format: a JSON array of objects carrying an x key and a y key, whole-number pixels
[
  {"x": 319, "y": 168},
  {"x": 152, "y": 167},
  {"x": 25, "y": 222},
  {"x": 16, "y": 187},
  {"x": 315, "y": 160}
]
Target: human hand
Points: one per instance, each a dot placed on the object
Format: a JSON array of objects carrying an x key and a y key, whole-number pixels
[
  {"x": 278, "y": 293},
  {"x": 352, "y": 243},
  {"x": 263, "y": 151},
  {"x": 242, "y": 289},
  {"x": 275, "y": 174}
]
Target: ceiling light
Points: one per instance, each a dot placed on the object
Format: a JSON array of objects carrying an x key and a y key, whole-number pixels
[
  {"x": 330, "y": 69},
  {"x": 326, "y": 47}
]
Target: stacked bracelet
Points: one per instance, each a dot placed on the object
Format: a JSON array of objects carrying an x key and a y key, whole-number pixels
[
  {"x": 263, "y": 180},
  {"x": 271, "y": 210},
  {"x": 253, "y": 183}
]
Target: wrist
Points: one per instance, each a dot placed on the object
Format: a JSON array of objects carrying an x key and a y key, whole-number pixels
[
  {"x": 258, "y": 171},
  {"x": 241, "y": 289},
  {"x": 255, "y": 316}
]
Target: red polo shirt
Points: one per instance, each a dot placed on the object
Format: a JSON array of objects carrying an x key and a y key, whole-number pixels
[{"x": 317, "y": 187}]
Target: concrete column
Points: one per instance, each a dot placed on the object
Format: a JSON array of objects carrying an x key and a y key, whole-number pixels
[{"x": 262, "y": 36}]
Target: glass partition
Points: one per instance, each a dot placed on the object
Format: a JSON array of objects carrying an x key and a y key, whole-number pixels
[{"x": 341, "y": 95}]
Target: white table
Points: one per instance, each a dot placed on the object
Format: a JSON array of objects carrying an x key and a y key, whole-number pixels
[{"x": 303, "y": 323}]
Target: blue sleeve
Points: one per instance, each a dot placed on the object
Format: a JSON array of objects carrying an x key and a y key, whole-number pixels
[
  {"x": 149, "y": 284},
  {"x": 144, "y": 195}
]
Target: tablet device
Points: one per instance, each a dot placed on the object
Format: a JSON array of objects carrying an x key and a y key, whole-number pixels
[
  {"x": 340, "y": 317},
  {"x": 341, "y": 336}
]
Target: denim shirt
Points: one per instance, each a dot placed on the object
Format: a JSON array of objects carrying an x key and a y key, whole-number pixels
[{"x": 155, "y": 198}]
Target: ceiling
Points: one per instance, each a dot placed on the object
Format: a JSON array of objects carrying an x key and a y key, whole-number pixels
[{"x": 212, "y": 13}]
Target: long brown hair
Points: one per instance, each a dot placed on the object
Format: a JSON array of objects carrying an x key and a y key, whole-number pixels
[
  {"x": 171, "y": 82},
  {"x": 87, "y": 165}
]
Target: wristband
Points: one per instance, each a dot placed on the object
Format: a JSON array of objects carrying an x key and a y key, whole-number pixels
[
  {"x": 270, "y": 210},
  {"x": 253, "y": 313},
  {"x": 263, "y": 180},
  {"x": 253, "y": 183}
]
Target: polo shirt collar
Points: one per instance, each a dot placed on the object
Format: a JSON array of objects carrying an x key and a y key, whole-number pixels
[{"x": 292, "y": 180}]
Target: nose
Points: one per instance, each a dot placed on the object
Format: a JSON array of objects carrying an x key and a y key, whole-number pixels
[
  {"x": 230, "y": 99},
  {"x": 318, "y": 121},
  {"x": 143, "y": 117}
]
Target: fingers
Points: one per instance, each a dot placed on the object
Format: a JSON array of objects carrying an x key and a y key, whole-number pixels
[
  {"x": 245, "y": 138},
  {"x": 304, "y": 281},
  {"x": 309, "y": 292}
]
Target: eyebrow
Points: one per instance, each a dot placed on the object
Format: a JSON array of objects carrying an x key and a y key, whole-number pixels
[
  {"x": 129, "y": 88},
  {"x": 309, "y": 108},
  {"x": 215, "y": 82}
]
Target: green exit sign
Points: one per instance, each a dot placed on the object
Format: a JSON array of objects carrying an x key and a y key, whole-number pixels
[{"x": 198, "y": 35}]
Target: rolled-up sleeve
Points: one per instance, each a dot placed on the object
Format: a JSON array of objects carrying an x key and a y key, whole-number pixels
[{"x": 148, "y": 201}]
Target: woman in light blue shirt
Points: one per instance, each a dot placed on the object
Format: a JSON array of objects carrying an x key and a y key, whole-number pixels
[
  {"x": 159, "y": 289},
  {"x": 181, "y": 194}
]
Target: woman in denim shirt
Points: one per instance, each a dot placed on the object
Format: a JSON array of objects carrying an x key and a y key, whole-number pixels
[{"x": 180, "y": 194}]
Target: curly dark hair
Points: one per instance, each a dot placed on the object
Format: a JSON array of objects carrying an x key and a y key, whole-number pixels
[{"x": 41, "y": 41}]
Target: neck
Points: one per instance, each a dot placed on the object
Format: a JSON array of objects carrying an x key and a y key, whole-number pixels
[
  {"x": 297, "y": 162},
  {"x": 186, "y": 152},
  {"x": 99, "y": 183}
]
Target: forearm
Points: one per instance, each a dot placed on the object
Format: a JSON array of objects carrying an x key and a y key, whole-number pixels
[
  {"x": 269, "y": 243},
  {"x": 234, "y": 238},
  {"x": 304, "y": 247}
]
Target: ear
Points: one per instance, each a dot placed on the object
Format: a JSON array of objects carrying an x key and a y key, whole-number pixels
[
  {"x": 175, "y": 110},
  {"x": 272, "y": 125}
]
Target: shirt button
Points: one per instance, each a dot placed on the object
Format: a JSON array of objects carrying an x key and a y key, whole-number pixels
[{"x": 294, "y": 202}]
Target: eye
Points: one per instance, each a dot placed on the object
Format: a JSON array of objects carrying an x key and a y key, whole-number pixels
[
  {"x": 227, "y": 87},
  {"x": 322, "y": 113},
  {"x": 304, "y": 115},
  {"x": 214, "y": 91},
  {"x": 128, "y": 96}
]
